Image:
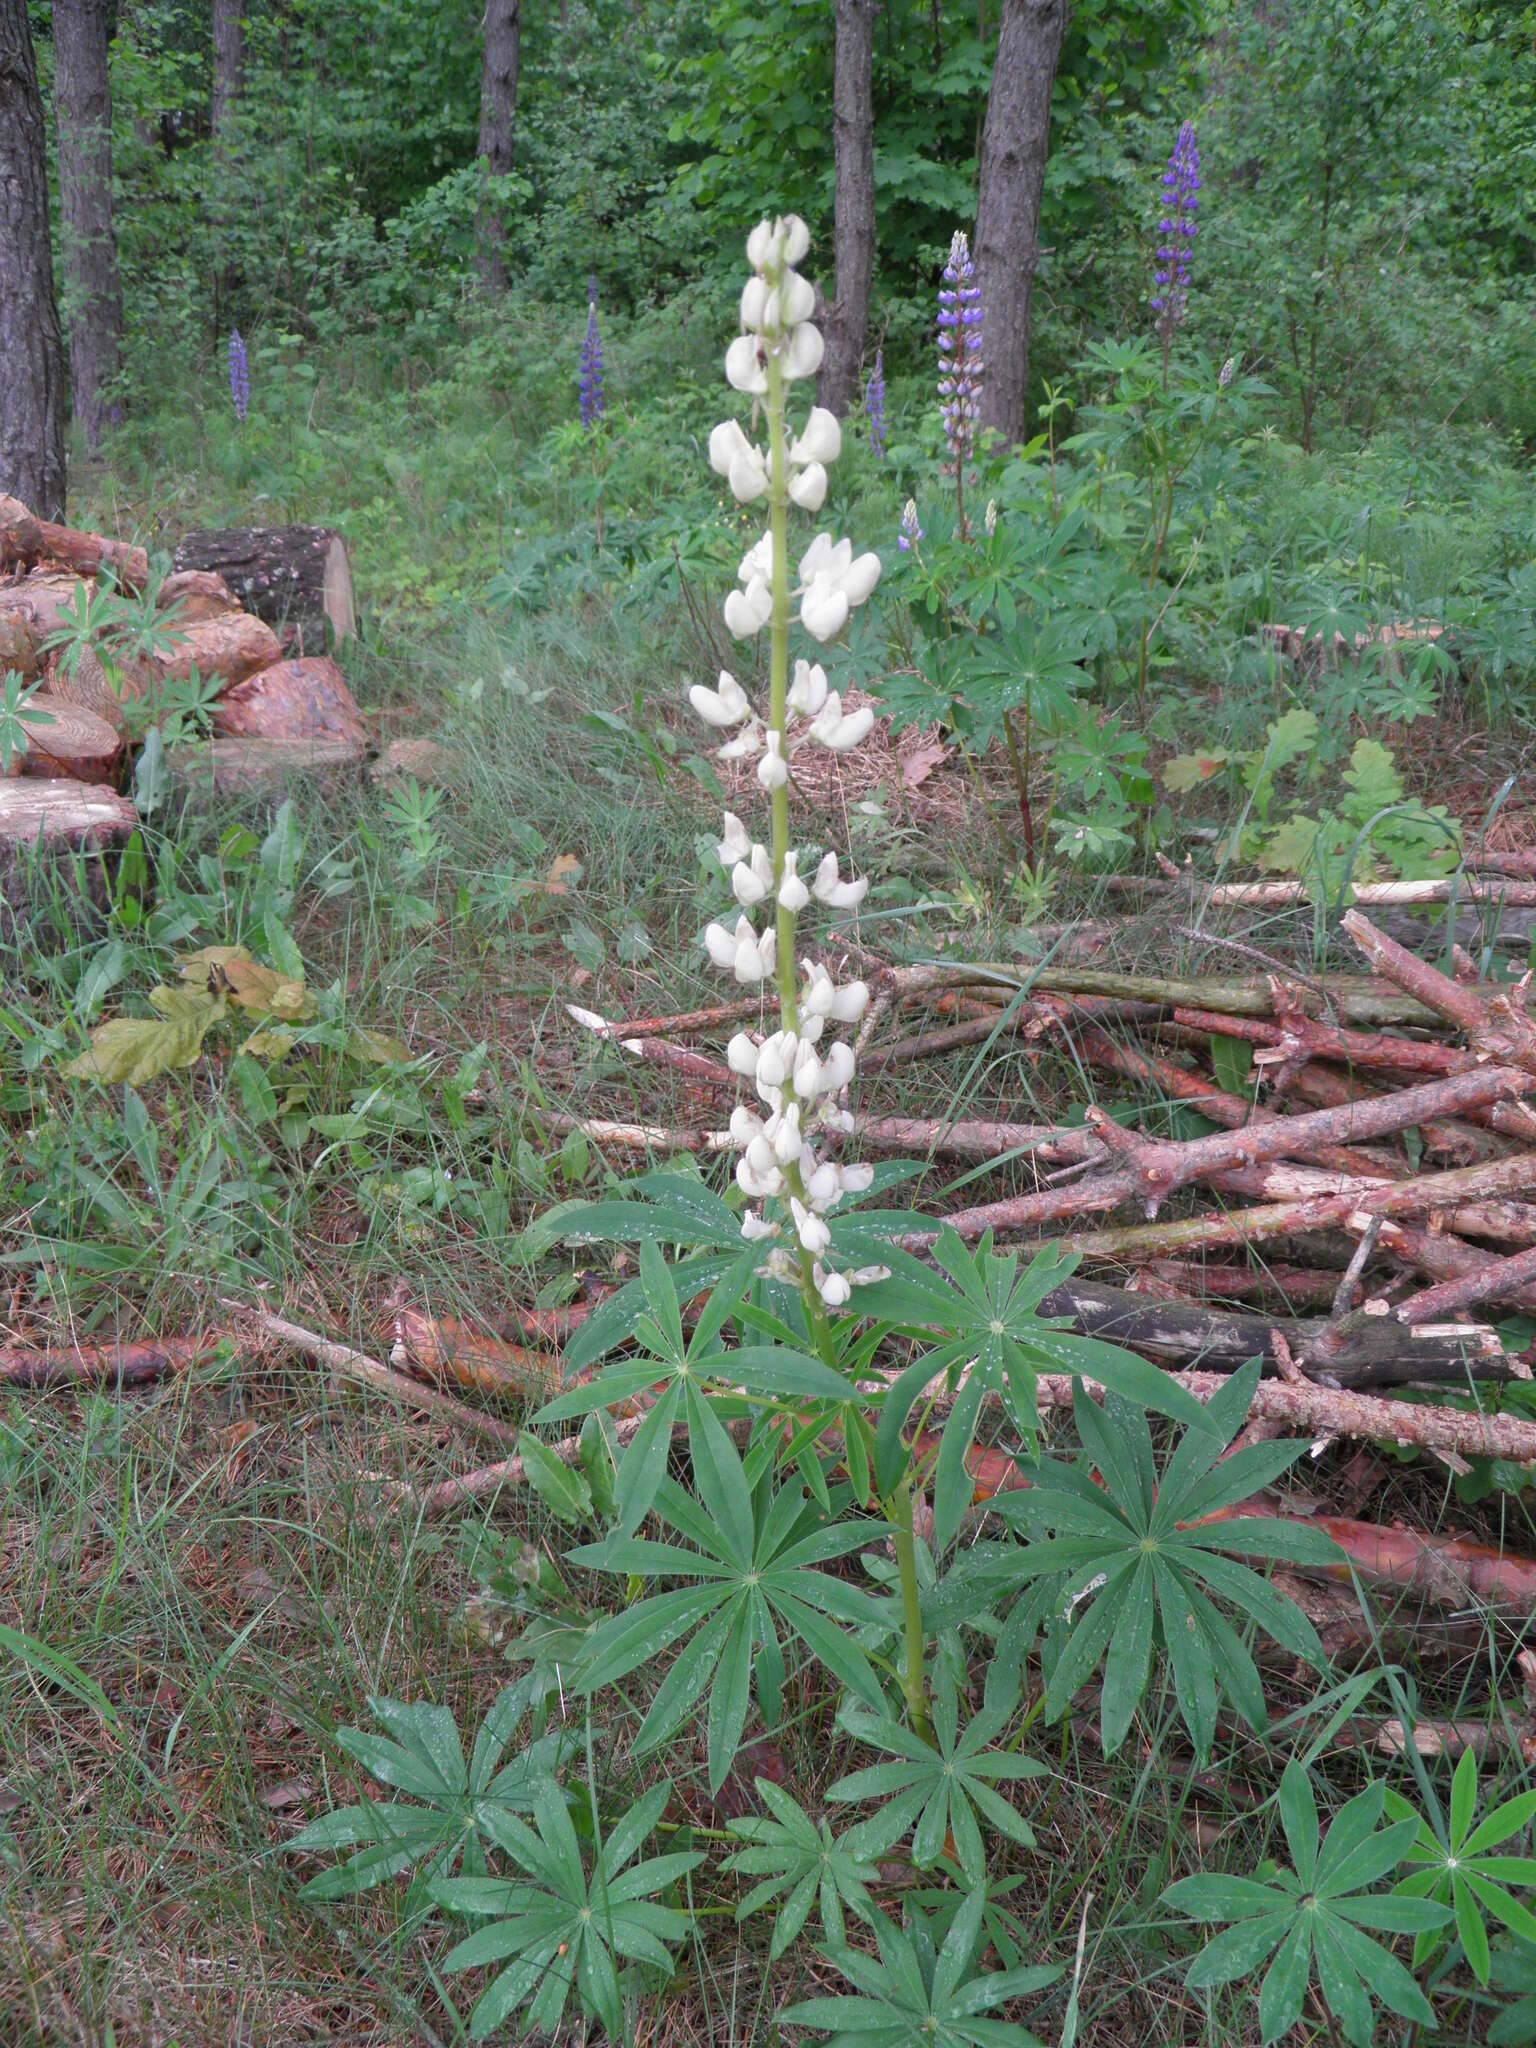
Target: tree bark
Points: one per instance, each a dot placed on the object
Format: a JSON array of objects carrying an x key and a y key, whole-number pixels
[
  {"x": 1014, "y": 145},
  {"x": 498, "y": 108},
  {"x": 93, "y": 293},
  {"x": 228, "y": 61},
  {"x": 853, "y": 233},
  {"x": 297, "y": 578},
  {"x": 31, "y": 341}
]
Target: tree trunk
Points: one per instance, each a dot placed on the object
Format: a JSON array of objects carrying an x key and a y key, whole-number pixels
[
  {"x": 93, "y": 294},
  {"x": 498, "y": 107},
  {"x": 1013, "y": 153},
  {"x": 31, "y": 343},
  {"x": 853, "y": 143},
  {"x": 228, "y": 60}
]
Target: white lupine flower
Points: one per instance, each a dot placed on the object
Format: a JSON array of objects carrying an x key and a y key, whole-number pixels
[
  {"x": 849, "y": 1002},
  {"x": 747, "y": 744},
  {"x": 808, "y": 690},
  {"x": 833, "y": 1288},
  {"x": 765, "y": 246},
  {"x": 780, "y": 1265},
  {"x": 752, "y": 880},
  {"x": 725, "y": 706},
  {"x": 737, "y": 843},
  {"x": 817, "y": 999},
  {"x": 754, "y": 1227},
  {"x": 823, "y": 610},
  {"x": 754, "y": 296},
  {"x": 866, "y": 1276},
  {"x": 803, "y": 352},
  {"x": 754, "y": 1184},
  {"x": 851, "y": 730},
  {"x": 809, "y": 1228},
  {"x": 835, "y": 562},
  {"x": 720, "y": 946},
  {"x": 837, "y": 1066},
  {"x": 741, "y": 1058},
  {"x": 754, "y": 955},
  {"x": 757, "y": 561},
  {"x": 823, "y": 1182},
  {"x": 786, "y": 1138},
  {"x": 797, "y": 300},
  {"x": 794, "y": 237},
  {"x": 725, "y": 442},
  {"x": 837, "y": 895},
  {"x": 775, "y": 1058},
  {"x": 793, "y": 894},
  {"x": 773, "y": 769},
  {"x": 748, "y": 476},
  {"x": 822, "y": 440},
  {"x": 744, "y": 366},
  {"x": 811, "y": 1028},
  {"x": 748, "y": 611},
  {"x": 745, "y": 1124},
  {"x": 808, "y": 489},
  {"x": 807, "y": 1075},
  {"x": 761, "y": 1156}
]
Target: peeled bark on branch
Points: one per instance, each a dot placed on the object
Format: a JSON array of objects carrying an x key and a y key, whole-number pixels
[
  {"x": 100, "y": 1365},
  {"x": 853, "y": 212},
  {"x": 93, "y": 293},
  {"x": 31, "y": 340},
  {"x": 1495, "y": 1024},
  {"x": 1014, "y": 146},
  {"x": 27, "y": 542}
]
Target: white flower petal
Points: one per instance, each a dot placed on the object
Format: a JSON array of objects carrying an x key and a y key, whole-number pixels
[
  {"x": 821, "y": 441},
  {"x": 808, "y": 489}
]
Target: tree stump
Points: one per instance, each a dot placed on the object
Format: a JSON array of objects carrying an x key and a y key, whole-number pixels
[
  {"x": 55, "y": 842},
  {"x": 292, "y": 700},
  {"x": 297, "y": 578}
]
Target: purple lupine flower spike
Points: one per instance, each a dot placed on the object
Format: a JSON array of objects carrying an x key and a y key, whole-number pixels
[
  {"x": 874, "y": 406},
  {"x": 592, "y": 406},
  {"x": 960, "y": 349},
  {"x": 911, "y": 531},
  {"x": 1181, "y": 201},
  {"x": 239, "y": 376}
]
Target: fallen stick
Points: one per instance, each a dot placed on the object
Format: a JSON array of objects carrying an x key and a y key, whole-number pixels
[
  {"x": 448, "y": 1349},
  {"x": 964, "y": 1138},
  {"x": 101, "y": 1365},
  {"x": 346, "y": 1364},
  {"x": 714, "y": 1019},
  {"x": 1500, "y": 1279},
  {"x": 486, "y": 1481},
  {"x": 657, "y": 1051},
  {"x": 1495, "y": 1024},
  {"x": 1294, "y": 1287},
  {"x": 1465, "y": 888}
]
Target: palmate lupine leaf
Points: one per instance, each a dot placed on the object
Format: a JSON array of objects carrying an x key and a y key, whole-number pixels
[
  {"x": 910, "y": 1993},
  {"x": 750, "y": 1568},
  {"x": 553, "y": 1925},
  {"x": 1464, "y": 1868},
  {"x": 986, "y": 1313},
  {"x": 800, "y": 1863},
  {"x": 1136, "y": 1564},
  {"x": 422, "y": 1756},
  {"x": 936, "y": 1792},
  {"x": 1310, "y": 1921}
]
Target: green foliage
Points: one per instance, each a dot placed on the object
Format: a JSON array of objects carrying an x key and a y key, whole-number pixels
[
  {"x": 915, "y": 1991},
  {"x": 1135, "y": 1561},
  {"x": 799, "y": 1863},
  {"x": 1311, "y": 1919},
  {"x": 1458, "y": 1868}
]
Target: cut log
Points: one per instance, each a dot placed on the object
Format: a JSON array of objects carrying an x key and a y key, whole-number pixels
[
  {"x": 295, "y": 577},
  {"x": 65, "y": 741},
  {"x": 292, "y": 700},
  {"x": 195, "y": 594},
  {"x": 26, "y": 540},
  {"x": 57, "y": 837},
  {"x": 234, "y": 766},
  {"x": 231, "y": 647},
  {"x": 87, "y": 684},
  {"x": 37, "y": 601},
  {"x": 18, "y": 647}
]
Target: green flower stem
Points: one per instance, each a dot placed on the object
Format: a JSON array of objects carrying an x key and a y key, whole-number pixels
[{"x": 904, "y": 1542}]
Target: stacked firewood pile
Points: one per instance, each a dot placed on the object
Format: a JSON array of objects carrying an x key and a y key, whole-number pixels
[{"x": 280, "y": 707}]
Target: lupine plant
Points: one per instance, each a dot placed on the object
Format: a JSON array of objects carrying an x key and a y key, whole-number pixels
[
  {"x": 960, "y": 364},
  {"x": 1177, "y": 228},
  {"x": 239, "y": 376}
]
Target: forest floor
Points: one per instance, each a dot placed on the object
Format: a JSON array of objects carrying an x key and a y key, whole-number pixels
[{"x": 210, "y": 1575}]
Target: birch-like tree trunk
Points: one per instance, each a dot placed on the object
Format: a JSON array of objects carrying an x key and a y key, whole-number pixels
[
  {"x": 93, "y": 293},
  {"x": 1014, "y": 145},
  {"x": 853, "y": 234},
  {"x": 31, "y": 342},
  {"x": 498, "y": 111}
]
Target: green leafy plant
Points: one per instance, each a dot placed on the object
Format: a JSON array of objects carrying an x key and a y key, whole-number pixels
[
  {"x": 1312, "y": 1919},
  {"x": 800, "y": 1863},
  {"x": 1467, "y": 1867},
  {"x": 15, "y": 698},
  {"x": 555, "y": 1925},
  {"x": 454, "y": 1802},
  {"x": 913, "y": 1991},
  {"x": 1136, "y": 1560}
]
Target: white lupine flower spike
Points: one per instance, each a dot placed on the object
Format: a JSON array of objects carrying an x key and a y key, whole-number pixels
[{"x": 798, "y": 1079}]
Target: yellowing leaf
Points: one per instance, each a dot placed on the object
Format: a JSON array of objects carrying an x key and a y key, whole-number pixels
[
  {"x": 265, "y": 990},
  {"x": 377, "y": 1046},
  {"x": 270, "y": 1044},
  {"x": 1187, "y": 771},
  {"x": 138, "y": 1049},
  {"x": 564, "y": 868}
]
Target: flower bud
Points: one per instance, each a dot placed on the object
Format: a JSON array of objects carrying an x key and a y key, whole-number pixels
[
  {"x": 832, "y": 1287},
  {"x": 837, "y": 1067},
  {"x": 786, "y": 1138},
  {"x": 754, "y": 293},
  {"x": 773, "y": 769},
  {"x": 751, "y": 880},
  {"x": 757, "y": 1184},
  {"x": 741, "y": 1058},
  {"x": 794, "y": 238},
  {"x": 720, "y": 946},
  {"x": 764, "y": 246},
  {"x": 811, "y": 1231},
  {"x": 793, "y": 894},
  {"x": 807, "y": 1075},
  {"x": 775, "y": 1057},
  {"x": 819, "y": 993},
  {"x": 797, "y": 300},
  {"x": 808, "y": 691},
  {"x": 823, "y": 1185},
  {"x": 808, "y": 487},
  {"x": 737, "y": 844},
  {"x": 745, "y": 1124}
]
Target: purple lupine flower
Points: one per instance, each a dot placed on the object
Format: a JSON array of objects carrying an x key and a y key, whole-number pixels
[
  {"x": 874, "y": 406},
  {"x": 239, "y": 376},
  {"x": 592, "y": 371},
  {"x": 911, "y": 532},
  {"x": 960, "y": 349},
  {"x": 1181, "y": 200}
]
